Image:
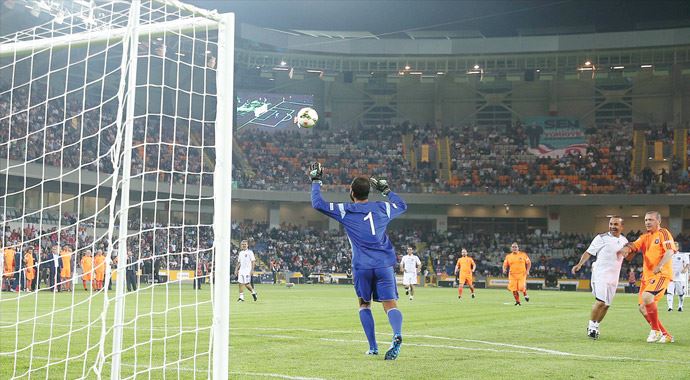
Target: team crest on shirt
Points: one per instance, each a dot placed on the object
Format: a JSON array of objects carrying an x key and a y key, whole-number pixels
[
  {"x": 656, "y": 241},
  {"x": 652, "y": 281}
]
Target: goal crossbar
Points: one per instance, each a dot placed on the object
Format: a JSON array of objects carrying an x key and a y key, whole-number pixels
[{"x": 96, "y": 36}]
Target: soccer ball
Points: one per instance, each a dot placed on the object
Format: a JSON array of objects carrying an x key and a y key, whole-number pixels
[{"x": 307, "y": 117}]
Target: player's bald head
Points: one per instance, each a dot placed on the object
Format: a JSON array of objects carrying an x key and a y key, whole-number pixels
[
  {"x": 615, "y": 225},
  {"x": 654, "y": 214}
]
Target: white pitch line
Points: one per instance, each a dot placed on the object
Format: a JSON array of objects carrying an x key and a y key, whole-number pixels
[
  {"x": 534, "y": 350},
  {"x": 187, "y": 369}
]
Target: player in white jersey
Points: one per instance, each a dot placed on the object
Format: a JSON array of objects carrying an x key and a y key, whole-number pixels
[
  {"x": 606, "y": 271},
  {"x": 245, "y": 270},
  {"x": 681, "y": 265},
  {"x": 410, "y": 265}
]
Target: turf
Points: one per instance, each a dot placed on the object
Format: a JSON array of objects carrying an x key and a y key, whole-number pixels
[{"x": 313, "y": 331}]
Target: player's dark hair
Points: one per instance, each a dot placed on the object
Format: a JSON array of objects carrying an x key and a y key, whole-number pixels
[{"x": 360, "y": 188}]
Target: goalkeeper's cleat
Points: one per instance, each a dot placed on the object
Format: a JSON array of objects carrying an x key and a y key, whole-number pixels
[
  {"x": 394, "y": 350},
  {"x": 411, "y": 298},
  {"x": 407, "y": 292},
  {"x": 680, "y": 308},
  {"x": 666, "y": 338},
  {"x": 670, "y": 309},
  {"x": 240, "y": 300},
  {"x": 254, "y": 295},
  {"x": 372, "y": 352},
  {"x": 654, "y": 336}
]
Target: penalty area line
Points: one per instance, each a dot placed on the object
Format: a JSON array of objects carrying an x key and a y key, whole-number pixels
[{"x": 513, "y": 347}]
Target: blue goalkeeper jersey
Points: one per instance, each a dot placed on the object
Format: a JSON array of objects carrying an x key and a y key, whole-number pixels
[{"x": 365, "y": 224}]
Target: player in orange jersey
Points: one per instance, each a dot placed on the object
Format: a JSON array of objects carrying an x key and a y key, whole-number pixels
[
  {"x": 465, "y": 268},
  {"x": 99, "y": 269},
  {"x": 657, "y": 247},
  {"x": 86, "y": 268},
  {"x": 30, "y": 268},
  {"x": 66, "y": 271},
  {"x": 8, "y": 268},
  {"x": 519, "y": 264}
]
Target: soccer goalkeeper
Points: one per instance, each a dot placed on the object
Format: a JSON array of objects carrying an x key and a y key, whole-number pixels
[{"x": 373, "y": 255}]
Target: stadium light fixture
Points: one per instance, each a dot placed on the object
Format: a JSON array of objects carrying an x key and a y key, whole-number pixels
[
  {"x": 588, "y": 63},
  {"x": 283, "y": 63},
  {"x": 646, "y": 66},
  {"x": 618, "y": 67},
  {"x": 407, "y": 67},
  {"x": 476, "y": 67}
]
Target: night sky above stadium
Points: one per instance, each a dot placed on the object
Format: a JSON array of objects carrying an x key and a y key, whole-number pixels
[{"x": 491, "y": 18}]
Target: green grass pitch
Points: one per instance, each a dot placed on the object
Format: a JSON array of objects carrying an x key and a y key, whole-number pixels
[{"x": 313, "y": 332}]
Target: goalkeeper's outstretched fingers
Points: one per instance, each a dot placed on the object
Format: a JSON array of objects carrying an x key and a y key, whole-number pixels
[
  {"x": 315, "y": 172},
  {"x": 380, "y": 185}
]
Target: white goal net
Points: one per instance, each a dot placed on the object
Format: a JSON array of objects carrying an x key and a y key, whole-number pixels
[{"x": 114, "y": 201}]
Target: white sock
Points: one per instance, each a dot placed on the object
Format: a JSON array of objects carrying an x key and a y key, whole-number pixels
[
  {"x": 253, "y": 291},
  {"x": 680, "y": 301},
  {"x": 241, "y": 296},
  {"x": 669, "y": 299},
  {"x": 592, "y": 325}
]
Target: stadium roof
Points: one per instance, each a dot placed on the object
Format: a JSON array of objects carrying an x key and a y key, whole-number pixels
[
  {"x": 420, "y": 19},
  {"x": 457, "y": 19}
]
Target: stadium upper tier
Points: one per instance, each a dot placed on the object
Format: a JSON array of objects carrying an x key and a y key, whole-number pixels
[
  {"x": 478, "y": 160},
  {"x": 482, "y": 160}
]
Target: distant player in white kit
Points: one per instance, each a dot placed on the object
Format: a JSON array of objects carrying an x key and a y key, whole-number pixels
[
  {"x": 606, "y": 271},
  {"x": 410, "y": 265},
  {"x": 245, "y": 270},
  {"x": 681, "y": 265}
]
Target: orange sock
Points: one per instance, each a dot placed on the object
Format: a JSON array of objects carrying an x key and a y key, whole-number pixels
[
  {"x": 516, "y": 295},
  {"x": 460, "y": 290},
  {"x": 653, "y": 315}
]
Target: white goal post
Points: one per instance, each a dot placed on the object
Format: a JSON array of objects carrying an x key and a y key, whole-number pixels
[{"x": 115, "y": 144}]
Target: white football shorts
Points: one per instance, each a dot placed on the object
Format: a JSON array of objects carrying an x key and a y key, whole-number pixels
[
  {"x": 677, "y": 288},
  {"x": 410, "y": 278},
  {"x": 604, "y": 291},
  {"x": 244, "y": 278}
]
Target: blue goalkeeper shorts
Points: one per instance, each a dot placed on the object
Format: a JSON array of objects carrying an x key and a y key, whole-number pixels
[{"x": 377, "y": 284}]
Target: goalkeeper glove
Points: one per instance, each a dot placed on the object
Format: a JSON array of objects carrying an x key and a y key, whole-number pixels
[
  {"x": 315, "y": 172},
  {"x": 380, "y": 185}
]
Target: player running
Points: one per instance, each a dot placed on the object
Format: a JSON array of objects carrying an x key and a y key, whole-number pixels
[
  {"x": 373, "y": 254},
  {"x": 519, "y": 264},
  {"x": 465, "y": 267},
  {"x": 681, "y": 265},
  {"x": 606, "y": 271},
  {"x": 245, "y": 270},
  {"x": 410, "y": 265},
  {"x": 657, "y": 250}
]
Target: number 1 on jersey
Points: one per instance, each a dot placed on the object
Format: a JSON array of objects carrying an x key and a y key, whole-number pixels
[{"x": 370, "y": 217}]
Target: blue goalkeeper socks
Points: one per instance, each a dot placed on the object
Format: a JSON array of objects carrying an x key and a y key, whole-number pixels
[
  {"x": 395, "y": 318},
  {"x": 367, "y": 320}
]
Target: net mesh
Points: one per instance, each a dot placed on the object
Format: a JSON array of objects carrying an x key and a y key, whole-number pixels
[{"x": 65, "y": 102}]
